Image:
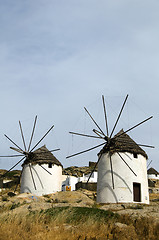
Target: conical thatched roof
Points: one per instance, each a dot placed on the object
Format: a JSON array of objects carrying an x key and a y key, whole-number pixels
[
  {"x": 123, "y": 143},
  {"x": 152, "y": 171},
  {"x": 42, "y": 156}
]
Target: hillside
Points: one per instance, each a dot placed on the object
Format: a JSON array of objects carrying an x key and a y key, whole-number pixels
[
  {"x": 10, "y": 175},
  {"x": 75, "y": 215},
  {"x": 78, "y": 171},
  {"x": 72, "y": 171}
]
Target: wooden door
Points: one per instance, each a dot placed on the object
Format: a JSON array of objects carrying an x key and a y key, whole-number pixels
[{"x": 137, "y": 192}]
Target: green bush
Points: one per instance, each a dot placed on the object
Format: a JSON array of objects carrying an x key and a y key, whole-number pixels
[
  {"x": 48, "y": 200},
  {"x": 83, "y": 213},
  {"x": 4, "y": 198},
  {"x": 11, "y": 174},
  {"x": 14, "y": 205},
  {"x": 78, "y": 214}
]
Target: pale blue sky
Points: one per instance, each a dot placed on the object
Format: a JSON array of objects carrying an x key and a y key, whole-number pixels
[{"x": 58, "y": 56}]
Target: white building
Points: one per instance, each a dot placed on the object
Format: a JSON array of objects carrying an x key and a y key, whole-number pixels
[
  {"x": 93, "y": 178},
  {"x": 41, "y": 173},
  {"x": 69, "y": 182},
  {"x": 152, "y": 174},
  {"x": 122, "y": 172}
]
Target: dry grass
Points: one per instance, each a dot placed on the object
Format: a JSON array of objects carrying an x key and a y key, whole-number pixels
[
  {"x": 154, "y": 196},
  {"x": 33, "y": 230},
  {"x": 63, "y": 223},
  {"x": 57, "y": 224},
  {"x": 145, "y": 227},
  {"x": 74, "y": 223}
]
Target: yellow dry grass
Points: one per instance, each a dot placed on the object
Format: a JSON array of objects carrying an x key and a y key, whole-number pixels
[
  {"x": 39, "y": 226},
  {"x": 153, "y": 196},
  {"x": 27, "y": 230},
  {"x": 29, "y": 224}
]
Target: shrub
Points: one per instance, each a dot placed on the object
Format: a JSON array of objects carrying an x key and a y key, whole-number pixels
[
  {"x": 64, "y": 201},
  {"x": 137, "y": 207},
  {"x": 46, "y": 195},
  {"x": 48, "y": 200},
  {"x": 14, "y": 205},
  {"x": 84, "y": 213},
  {"x": 55, "y": 200},
  {"x": 77, "y": 215},
  {"x": 4, "y": 198}
]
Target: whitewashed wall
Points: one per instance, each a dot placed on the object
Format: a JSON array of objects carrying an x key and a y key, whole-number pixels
[
  {"x": 45, "y": 183},
  {"x": 123, "y": 178},
  {"x": 72, "y": 180},
  {"x": 85, "y": 177},
  {"x": 153, "y": 176},
  {"x": 69, "y": 181}
]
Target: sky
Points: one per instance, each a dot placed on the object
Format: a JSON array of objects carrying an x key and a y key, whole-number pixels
[{"x": 57, "y": 57}]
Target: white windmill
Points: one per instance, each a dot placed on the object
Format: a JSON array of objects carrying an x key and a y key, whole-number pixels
[
  {"x": 41, "y": 171},
  {"x": 122, "y": 168}
]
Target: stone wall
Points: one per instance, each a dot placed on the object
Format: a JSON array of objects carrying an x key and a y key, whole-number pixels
[{"x": 89, "y": 186}]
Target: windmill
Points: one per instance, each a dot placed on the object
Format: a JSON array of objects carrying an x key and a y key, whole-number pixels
[
  {"x": 122, "y": 172},
  {"x": 41, "y": 171}
]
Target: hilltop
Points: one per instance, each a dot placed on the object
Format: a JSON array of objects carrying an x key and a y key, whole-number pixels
[
  {"x": 79, "y": 171},
  {"x": 10, "y": 175},
  {"x": 72, "y": 171}
]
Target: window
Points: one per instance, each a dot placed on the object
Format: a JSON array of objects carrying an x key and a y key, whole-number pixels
[
  {"x": 135, "y": 155},
  {"x": 50, "y": 165}
]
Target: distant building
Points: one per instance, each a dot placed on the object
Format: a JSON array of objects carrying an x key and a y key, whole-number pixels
[
  {"x": 71, "y": 183},
  {"x": 153, "y": 180},
  {"x": 152, "y": 174},
  {"x": 68, "y": 184},
  {"x": 93, "y": 178}
]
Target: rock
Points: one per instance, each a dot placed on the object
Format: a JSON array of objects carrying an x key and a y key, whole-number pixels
[
  {"x": 123, "y": 231},
  {"x": 120, "y": 225},
  {"x": 71, "y": 197}
]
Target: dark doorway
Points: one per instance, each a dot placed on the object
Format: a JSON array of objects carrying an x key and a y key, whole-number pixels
[{"x": 137, "y": 192}]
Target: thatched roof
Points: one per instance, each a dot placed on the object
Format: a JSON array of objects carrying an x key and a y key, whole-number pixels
[
  {"x": 42, "y": 156},
  {"x": 152, "y": 171},
  {"x": 123, "y": 143}
]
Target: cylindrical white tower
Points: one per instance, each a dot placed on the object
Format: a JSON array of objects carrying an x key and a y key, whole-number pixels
[
  {"x": 127, "y": 180},
  {"x": 41, "y": 173}
]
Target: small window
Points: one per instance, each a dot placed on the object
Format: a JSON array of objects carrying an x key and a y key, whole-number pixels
[
  {"x": 50, "y": 165},
  {"x": 135, "y": 155}
]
